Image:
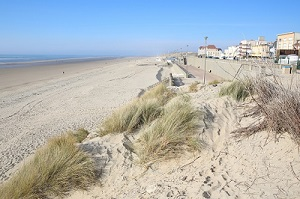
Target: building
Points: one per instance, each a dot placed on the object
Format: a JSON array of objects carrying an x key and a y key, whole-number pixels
[
  {"x": 211, "y": 51},
  {"x": 297, "y": 45},
  {"x": 261, "y": 48},
  {"x": 288, "y": 43},
  {"x": 245, "y": 48},
  {"x": 255, "y": 48},
  {"x": 232, "y": 51},
  {"x": 273, "y": 47}
]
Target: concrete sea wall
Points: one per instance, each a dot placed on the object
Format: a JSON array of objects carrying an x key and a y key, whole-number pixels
[{"x": 231, "y": 69}]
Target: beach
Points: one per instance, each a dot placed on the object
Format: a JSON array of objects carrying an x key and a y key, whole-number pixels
[
  {"x": 40, "y": 102},
  {"x": 256, "y": 167},
  {"x": 46, "y": 101}
]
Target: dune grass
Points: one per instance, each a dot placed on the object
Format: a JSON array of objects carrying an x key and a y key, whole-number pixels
[
  {"x": 193, "y": 88},
  {"x": 239, "y": 89},
  {"x": 80, "y": 134},
  {"x": 55, "y": 169},
  {"x": 137, "y": 113},
  {"x": 160, "y": 92},
  {"x": 174, "y": 131},
  {"x": 278, "y": 106},
  {"x": 214, "y": 82}
]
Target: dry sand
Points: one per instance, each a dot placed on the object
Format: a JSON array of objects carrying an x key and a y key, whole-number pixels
[
  {"x": 39, "y": 102},
  {"x": 257, "y": 167}
]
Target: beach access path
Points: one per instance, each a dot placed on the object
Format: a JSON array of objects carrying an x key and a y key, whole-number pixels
[{"x": 37, "y": 103}]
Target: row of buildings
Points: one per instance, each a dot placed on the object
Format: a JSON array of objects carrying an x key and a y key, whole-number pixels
[{"x": 286, "y": 44}]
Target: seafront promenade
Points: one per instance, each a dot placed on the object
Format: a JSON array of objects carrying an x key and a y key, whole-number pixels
[{"x": 232, "y": 69}]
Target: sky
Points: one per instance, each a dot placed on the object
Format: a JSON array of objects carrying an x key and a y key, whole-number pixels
[{"x": 140, "y": 27}]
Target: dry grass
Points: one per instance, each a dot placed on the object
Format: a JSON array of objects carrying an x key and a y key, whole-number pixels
[
  {"x": 139, "y": 112},
  {"x": 239, "y": 90},
  {"x": 55, "y": 169},
  {"x": 279, "y": 107},
  {"x": 167, "y": 136},
  {"x": 215, "y": 82},
  {"x": 193, "y": 88},
  {"x": 159, "y": 92},
  {"x": 80, "y": 134}
]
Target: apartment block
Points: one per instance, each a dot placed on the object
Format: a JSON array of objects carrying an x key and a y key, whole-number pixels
[
  {"x": 288, "y": 43},
  {"x": 261, "y": 48},
  {"x": 232, "y": 51}
]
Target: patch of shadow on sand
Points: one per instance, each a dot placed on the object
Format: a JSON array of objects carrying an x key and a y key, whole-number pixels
[
  {"x": 141, "y": 92},
  {"x": 159, "y": 75}
]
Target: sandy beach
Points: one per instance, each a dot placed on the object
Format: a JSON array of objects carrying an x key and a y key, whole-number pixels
[
  {"x": 35, "y": 107},
  {"x": 39, "y": 102}
]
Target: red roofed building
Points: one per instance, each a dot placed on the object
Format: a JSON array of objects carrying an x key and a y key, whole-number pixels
[{"x": 211, "y": 51}]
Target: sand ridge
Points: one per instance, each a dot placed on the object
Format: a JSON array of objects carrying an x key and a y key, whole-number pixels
[{"x": 225, "y": 168}]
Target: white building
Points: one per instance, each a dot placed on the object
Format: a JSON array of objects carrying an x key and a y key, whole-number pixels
[
  {"x": 246, "y": 48},
  {"x": 211, "y": 51},
  {"x": 232, "y": 51}
]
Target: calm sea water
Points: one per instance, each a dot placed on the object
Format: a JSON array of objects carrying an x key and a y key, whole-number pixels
[{"x": 11, "y": 61}]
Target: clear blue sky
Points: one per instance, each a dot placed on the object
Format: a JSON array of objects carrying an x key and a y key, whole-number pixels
[{"x": 140, "y": 27}]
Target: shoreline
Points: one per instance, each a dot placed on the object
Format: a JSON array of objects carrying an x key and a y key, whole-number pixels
[
  {"x": 46, "y": 62},
  {"x": 15, "y": 77}
]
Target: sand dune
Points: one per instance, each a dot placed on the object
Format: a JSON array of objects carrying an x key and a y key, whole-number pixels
[{"x": 226, "y": 168}]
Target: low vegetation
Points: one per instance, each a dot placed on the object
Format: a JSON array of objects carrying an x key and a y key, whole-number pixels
[
  {"x": 55, "y": 169},
  {"x": 167, "y": 136},
  {"x": 214, "y": 82},
  {"x": 278, "y": 106},
  {"x": 239, "y": 89},
  {"x": 167, "y": 124},
  {"x": 80, "y": 134},
  {"x": 139, "y": 112},
  {"x": 193, "y": 88}
]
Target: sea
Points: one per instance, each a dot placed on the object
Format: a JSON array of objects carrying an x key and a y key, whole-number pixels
[{"x": 13, "y": 61}]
